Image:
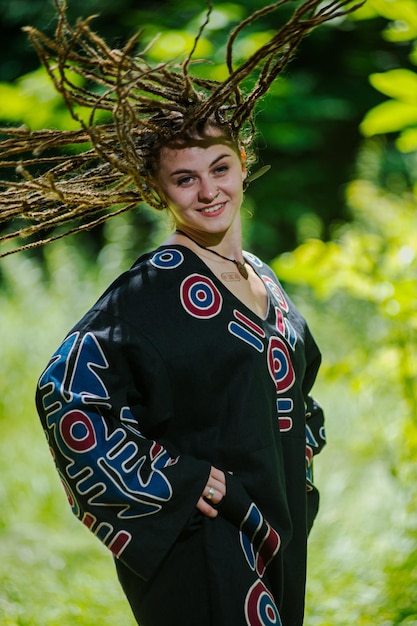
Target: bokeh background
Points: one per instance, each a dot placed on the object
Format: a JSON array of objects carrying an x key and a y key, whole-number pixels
[{"x": 336, "y": 216}]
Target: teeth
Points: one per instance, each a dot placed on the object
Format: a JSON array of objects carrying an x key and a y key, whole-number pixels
[{"x": 212, "y": 209}]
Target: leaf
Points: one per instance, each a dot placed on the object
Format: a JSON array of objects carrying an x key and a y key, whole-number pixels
[
  {"x": 402, "y": 13},
  {"x": 407, "y": 141},
  {"x": 172, "y": 43},
  {"x": 401, "y": 10},
  {"x": 388, "y": 117},
  {"x": 32, "y": 100},
  {"x": 400, "y": 31},
  {"x": 400, "y": 84},
  {"x": 251, "y": 43}
]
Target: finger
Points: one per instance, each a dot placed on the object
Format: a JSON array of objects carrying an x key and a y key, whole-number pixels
[
  {"x": 216, "y": 481},
  {"x": 214, "y": 491},
  {"x": 206, "y": 508},
  {"x": 219, "y": 487},
  {"x": 217, "y": 475},
  {"x": 209, "y": 492}
]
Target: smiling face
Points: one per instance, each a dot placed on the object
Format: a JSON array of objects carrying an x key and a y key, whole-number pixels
[{"x": 202, "y": 185}]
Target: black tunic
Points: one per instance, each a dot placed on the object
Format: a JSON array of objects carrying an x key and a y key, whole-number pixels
[{"x": 168, "y": 374}]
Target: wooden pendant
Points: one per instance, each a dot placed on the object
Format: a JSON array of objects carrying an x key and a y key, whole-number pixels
[{"x": 242, "y": 270}]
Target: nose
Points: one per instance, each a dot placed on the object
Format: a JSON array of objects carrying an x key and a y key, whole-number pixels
[{"x": 207, "y": 191}]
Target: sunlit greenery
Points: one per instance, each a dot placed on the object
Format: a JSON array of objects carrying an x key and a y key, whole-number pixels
[
  {"x": 399, "y": 112},
  {"x": 307, "y": 125}
]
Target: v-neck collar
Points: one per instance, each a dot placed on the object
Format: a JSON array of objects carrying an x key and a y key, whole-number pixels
[{"x": 223, "y": 288}]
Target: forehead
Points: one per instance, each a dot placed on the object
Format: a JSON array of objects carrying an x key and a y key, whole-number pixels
[
  {"x": 193, "y": 156},
  {"x": 195, "y": 153}
]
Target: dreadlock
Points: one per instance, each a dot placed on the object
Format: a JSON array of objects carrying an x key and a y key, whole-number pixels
[{"x": 134, "y": 109}]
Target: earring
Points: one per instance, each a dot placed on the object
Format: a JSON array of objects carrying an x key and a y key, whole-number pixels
[{"x": 255, "y": 175}]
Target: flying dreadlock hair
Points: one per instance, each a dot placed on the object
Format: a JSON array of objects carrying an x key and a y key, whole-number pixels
[{"x": 135, "y": 109}]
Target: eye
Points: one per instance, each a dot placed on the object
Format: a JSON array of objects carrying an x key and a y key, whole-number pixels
[
  {"x": 184, "y": 181},
  {"x": 221, "y": 169}
]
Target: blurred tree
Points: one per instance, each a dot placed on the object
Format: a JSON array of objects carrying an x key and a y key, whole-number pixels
[
  {"x": 364, "y": 283},
  {"x": 307, "y": 124}
]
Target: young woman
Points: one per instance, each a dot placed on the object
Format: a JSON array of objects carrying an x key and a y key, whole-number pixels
[{"x": 177, "y": 411}]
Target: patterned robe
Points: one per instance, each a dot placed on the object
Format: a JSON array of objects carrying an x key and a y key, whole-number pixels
[{"x": 168, "y": 374}]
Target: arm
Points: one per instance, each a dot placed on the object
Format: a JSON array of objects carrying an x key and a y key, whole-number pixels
[{"x": 124, "y": 486}]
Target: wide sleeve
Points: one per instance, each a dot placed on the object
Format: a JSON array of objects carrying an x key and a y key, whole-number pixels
[{"x": 102, "y": 395}]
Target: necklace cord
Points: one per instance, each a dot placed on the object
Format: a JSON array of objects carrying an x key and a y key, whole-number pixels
[{"x": 240, "y": 266}]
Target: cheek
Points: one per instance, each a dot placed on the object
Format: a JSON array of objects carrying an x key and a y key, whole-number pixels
[
  {"x": 236, "y": 186},
  {"x": 177, "y": 200},
  {"x": 165, "y": 193}
]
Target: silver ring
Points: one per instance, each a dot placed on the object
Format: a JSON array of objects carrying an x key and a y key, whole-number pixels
[{"x": 211, "y": 493}]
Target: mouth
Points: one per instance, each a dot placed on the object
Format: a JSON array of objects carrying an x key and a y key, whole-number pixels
[{"x": 212, "y": 209}]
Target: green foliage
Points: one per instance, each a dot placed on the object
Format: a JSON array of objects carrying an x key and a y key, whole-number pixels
[
  {"x": 397, "y": 114},
  {"x": 32, "y": 100},
  {"x": 372, "y": 262},
  {"x": 400, "y": 84},
  {"x": 307, "y": 124},
  {"x": 363, "y": 288},
  {"x": 358, "y": 291},
  {"x": 402, "y": 16},
  {"x": 363, "y": 283}
]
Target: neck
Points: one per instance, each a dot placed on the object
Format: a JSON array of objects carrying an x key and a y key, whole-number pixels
[
  {"x": 227, "y": 243},
  {"x": 238, "y": 262}
]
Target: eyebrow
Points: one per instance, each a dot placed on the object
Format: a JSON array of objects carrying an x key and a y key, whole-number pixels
[{"x": 219, "y": 158}]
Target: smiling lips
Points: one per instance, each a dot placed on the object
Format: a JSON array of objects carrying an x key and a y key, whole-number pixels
[{"x": 211, "y": 210}]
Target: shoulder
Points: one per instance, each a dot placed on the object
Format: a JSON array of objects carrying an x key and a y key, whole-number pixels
[
  {"x": 262, "y": 268},
  {"x": 149, "y": 271},
  {"x": 146, "y": 289},
  {"x": 267, "y": 274},
  {"x": 276, "y": 289}
]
